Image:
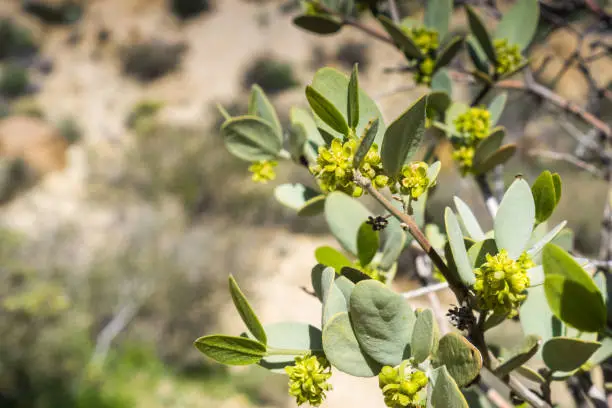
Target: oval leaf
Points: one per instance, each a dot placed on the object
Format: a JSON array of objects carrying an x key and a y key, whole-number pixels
[
  {"x": 445, "y": 393},
  {"x": 317, "y": 24},
  {"x": 448, "y": 53},
  {"x": 520, "y": 355},
  {"x": 246, "y": 311},
  {"x": 425, "y": 336},
  {"x": 457, "y": 246},
  {"x": 567, "y": 354},
  {"x": 344, "y": 216},
  {"x": 343, "y": 351},
  {"x": 481, "y": 34},
  {"x": 231, "y": 350},
  {"x": 496, "y": 107},
  {"x": 260, "y": 105},
  {"x": 544, "y": 196},
  {"x": 437, "y": 16},
  {"x": 294, "y": 196},
  {"x": 502, "y": 155},
  {"x": 402, "y": 41},
  {"x": 250, "y": 138},
  {"x": 404, "y": 136},
  {"x": 519, "y": 24},
  {"x": 290, "y": 336},
  {"x": 442, "y": 82},
  {"x": 469, "y": 221},
  {"x": 314, "y": 206},
  {"x": 331, "y": 257},
  {"x": 571, "y": 293},
  {"x": 461, "y": 358},
  {"x": 536, "y": 316},
  {"x": 367, "y": 244},
  {"x": 382, "y": 321},
  {"x": 514, "y": 221},
  {"x": 489, "y": 146},
  {"x": 326, "y": 111}
]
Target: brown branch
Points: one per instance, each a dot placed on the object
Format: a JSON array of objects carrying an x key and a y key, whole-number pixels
[
  {"x": 569, "y": 158},
  {"x": 545, "y": 93}
]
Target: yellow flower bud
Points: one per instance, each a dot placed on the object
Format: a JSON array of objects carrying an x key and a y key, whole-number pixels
[
  {"x": 308, "y": 379},
  {"x": 263, "y": 171}
]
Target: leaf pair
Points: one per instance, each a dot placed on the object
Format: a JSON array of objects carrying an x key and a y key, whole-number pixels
[
  {"x": 256, "y": 136},
  {"x": 546, "y": 192}
]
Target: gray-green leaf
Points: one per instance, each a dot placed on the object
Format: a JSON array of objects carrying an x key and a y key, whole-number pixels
[
  {"x": 344, "y": 216},
  {"x": 520, "y": 23},
  {"x": 246, "y": 311},
  {"x": 457, "y": 245},
  {"x": 231, "y": 350},
  {"x": 251, "y": 138},
  {"x": 326, "y": 111},
  {"x": 567, "y": 354},
  {"x": 515, "y": 218},
  {"x": 260, "y": 105},
  {"x": 425, "y": 336},
  {"x": 480, "y": 32}
]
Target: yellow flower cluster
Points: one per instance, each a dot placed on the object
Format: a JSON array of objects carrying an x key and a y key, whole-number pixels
[
  {"x": 263, "y": 171},
  {"x": 472, "y": 126},
  {"x": 334, "y": 168},
  {"x": 509, "y": 57},
  {"x": 501, "y": 283},
  {"x": 401, "y": 389},
  {"x": 372, "y": 271},
  {"x": 428, "y": 42},
  {"x": 414, "y": 180},
  {"x": 308, "y": 379}
]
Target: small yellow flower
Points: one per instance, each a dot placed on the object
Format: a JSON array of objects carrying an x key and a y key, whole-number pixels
[
  {"x": 474, "y": 125},
  {"x": 334, "y": 168},
  {"x": 501, "y": 283},
  {"x": 308, "y": 379},
  {"x": 464, "y": 156},
  {"x": 414, "y": 180},
  {"x": 423, "y": 74},
  {"x": 402, "y": 388},
  {"x": 509, "y": 57},
  {"x": 426, "y": 39},
  {"x": 263, "y": 171},
  {"x": 372, "y": 271}
]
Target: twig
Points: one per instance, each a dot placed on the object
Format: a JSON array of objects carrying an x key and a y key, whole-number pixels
[
  {"x": 569, "y": 158},
  {"x": 394, "y": 11},
  {"x": 415, "y": 231},
  {"x": 425, "y": 290},
  {"x": 357, "y": 24},
  {"x": 489, "y": 198}
]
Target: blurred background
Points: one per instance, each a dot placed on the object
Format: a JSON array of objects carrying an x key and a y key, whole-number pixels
[{"x": 122, "y": 214}]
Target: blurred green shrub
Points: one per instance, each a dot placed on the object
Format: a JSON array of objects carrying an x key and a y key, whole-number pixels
[
  {"x": 185, "y": 9},
  {"x": 15, "y": 40},
  {"x": 14, "y": 81},
  {"x": 70, "y": 129},
  {"x": 66, "y": 12},
  {"x": 28, "y": 107},
  {"x": 143, "y": 115},
  {"x": 150, "y": 60},
  {"x": 271, "y": 74}
]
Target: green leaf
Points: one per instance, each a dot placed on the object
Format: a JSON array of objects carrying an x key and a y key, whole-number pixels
[
  {"x": 514, "y": 221},
  {"x": 449, "y": 52},
  {"x": 441, "y": 81},
  {"x": 326, "y": 111},
  {"x": 438, "y": 15},
  {"x": 352, "y": 112},
  {"x": 488, "y": 146},
  {"x": 432, "y": 172},
  {"x": 296, "y": 142},
  {"x": 544, "y": 196},
  {"x": 425, "y": 336},
  {"x": 294, "y": 195},
  {"x": 345, "y": 285},
  {"x": 343, "y": 351},
  {"x": 402, "y": 41},
  {"x": 329, "y": 256},
  {"x": 246, "y": 311},
  {"x": 536, "y": 275},
  {"x": 536, "y": 316},
  {"x": 333, "y": 298},
  {"x": 366, "y": 143},
  {"x": 500, "y": 156},
  {"x": 457, "y": 246},
  {"x": 571, "y": 293},
  {"x": 445, "y": 392},
  {"x": 344, "y": 216},
  {"x": 231, "y": 350},
  {"x": 496, "y": 107},
  {"x": 403, "y": 137},
  {"x": 367, "y": 244},
  {"x": 250, "y": 138},
  {"x": 520, "y": 355},
  {"x": 382, "y": 321},
  {"x": 314, "y": 206},
  {"x": 354, "y": 275},
  {"x": 333, "y": 85},
  {"x": 479, "y": 31},
  {"x": 520, "y": 23},
  {"x": 549, "y": 237},
  {"x": 602, "y": 354},
  {"x": 478, "y": 252},
  {"x": 303, "y": 117},
  {"x": 290, "y": 336},
  {"x": 468, "y": 220},
  {"x": 567, "y": 354},
  {"x": 530, "y": 374},
  {"x": 316, "y": 278},
  {"x": 260, "y": 105},
  {"x": 478, "y": 56},
  {"x": 557, "y": 182},
  {"x": 318, "y": 24},
  {"x": 461, "y": 358},
  {"x": 395, "y": 240}
]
